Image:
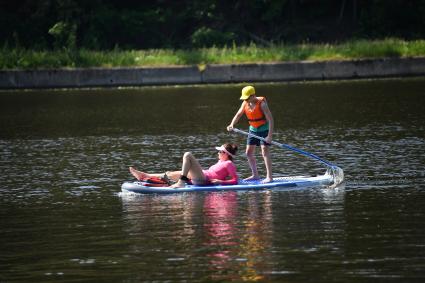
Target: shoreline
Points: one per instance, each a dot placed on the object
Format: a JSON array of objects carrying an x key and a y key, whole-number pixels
[{"x": 212, "y": 74}]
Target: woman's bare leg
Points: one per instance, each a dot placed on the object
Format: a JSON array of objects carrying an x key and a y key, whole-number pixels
[
  {"x": 173, "y": 175},
  {"x": 191, "y": 168},
  {"x": 139, "y": 175}
]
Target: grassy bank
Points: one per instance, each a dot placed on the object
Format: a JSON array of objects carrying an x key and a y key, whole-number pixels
[{"x": 30, "y": 59}]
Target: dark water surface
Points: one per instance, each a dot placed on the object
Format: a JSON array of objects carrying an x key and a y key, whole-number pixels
[{"x": 64, "y": 155}]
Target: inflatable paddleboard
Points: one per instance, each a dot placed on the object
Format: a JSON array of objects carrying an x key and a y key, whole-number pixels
[{"x": 292, "y": 181}]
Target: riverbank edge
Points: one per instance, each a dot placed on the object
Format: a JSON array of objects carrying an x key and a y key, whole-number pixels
[{"x": 212, "y": 74}]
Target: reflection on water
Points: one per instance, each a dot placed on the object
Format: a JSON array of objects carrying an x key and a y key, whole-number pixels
[
  {"x": 220, "y": 214},
  {"x": 64, "y": 155},
  {"x": 241, "y": 245},
  {"x": 231, "y": 230},
  {"x": 239, "y": 232}
]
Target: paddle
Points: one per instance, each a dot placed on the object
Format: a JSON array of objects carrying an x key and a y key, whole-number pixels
[{"x": 336, "y": 172}]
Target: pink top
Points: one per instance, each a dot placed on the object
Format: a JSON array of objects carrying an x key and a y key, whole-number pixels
[{"x": 221, "y": 170}]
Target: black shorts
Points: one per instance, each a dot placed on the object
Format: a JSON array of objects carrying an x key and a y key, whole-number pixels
[{"x": 254, "y": 141}]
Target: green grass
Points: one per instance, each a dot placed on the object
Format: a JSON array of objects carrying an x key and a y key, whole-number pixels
[{"x": 356, "y": 49}]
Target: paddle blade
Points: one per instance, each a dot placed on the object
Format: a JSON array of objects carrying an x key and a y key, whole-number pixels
[{"x": 337, "y": 175}]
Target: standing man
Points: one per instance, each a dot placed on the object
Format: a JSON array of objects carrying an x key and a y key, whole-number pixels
[{"x": 260, "y": 124}]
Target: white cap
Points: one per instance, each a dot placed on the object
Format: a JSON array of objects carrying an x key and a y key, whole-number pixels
[{"x": 223, "y": 149}]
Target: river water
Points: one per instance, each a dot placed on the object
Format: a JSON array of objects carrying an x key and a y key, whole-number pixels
[{"x": 64, "y": 155}]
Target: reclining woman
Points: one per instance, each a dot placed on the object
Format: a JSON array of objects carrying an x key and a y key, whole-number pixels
[{"x": 221, "y": 173}]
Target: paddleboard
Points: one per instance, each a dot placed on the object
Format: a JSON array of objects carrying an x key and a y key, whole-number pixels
[{"x": 291, "y": 181}]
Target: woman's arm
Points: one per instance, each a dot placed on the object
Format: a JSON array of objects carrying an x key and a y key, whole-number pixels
[{"x": 232, "y": 175}]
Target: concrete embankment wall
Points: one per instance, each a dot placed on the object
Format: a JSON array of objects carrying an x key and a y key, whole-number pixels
[{"x": 268, "y": 72}]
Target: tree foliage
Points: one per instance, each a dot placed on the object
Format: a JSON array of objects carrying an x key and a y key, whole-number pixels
[{"x": 130, "y": 24}]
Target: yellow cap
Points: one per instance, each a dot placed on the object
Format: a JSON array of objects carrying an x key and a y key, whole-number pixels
[{"x": 247, "y": 92}]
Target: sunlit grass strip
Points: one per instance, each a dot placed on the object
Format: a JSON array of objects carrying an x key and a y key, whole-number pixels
[{"x": 356, "y": 49}]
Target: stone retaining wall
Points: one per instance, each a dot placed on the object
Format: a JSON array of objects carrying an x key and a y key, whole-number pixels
[{"x": 268, "y": 72}]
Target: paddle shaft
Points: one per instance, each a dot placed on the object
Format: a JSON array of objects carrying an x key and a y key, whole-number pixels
[{"x": 282, "y": 145}]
